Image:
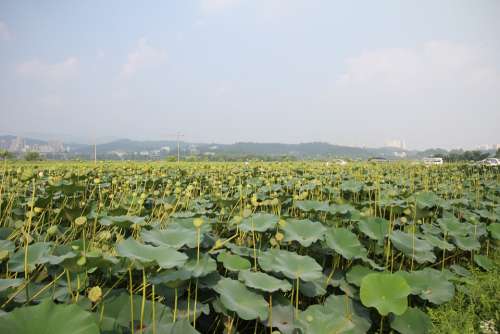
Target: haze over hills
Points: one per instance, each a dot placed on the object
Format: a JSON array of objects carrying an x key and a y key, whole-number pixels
[{"x": 160, "y": 149}]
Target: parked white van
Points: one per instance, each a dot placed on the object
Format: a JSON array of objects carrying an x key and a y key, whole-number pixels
[{"x": 433, "y": 161}]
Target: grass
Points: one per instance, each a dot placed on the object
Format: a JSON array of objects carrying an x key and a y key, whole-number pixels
[{"x": 474, "y": 307}]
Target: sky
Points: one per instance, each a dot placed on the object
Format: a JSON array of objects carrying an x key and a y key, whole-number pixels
[{"x": 345, "y": 72}]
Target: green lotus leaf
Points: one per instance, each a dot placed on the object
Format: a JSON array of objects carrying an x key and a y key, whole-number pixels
[
  {"x": 352, "y": 186},
  {"x": 459, "y": 270},
  {"x": 259, "y": 222},
  {"x": 203, "y": 267},
  {"x": 413, "y": 321},
  {"x": 468, "y": 243},
  {"x": 122, "y": 221},
  {"x": 290, "y": 264},
  {"x": 6, "y": 283},
  {"x": 413, "y": 247},
  {"x": 342, "y": 209},
  {"x": 314, "y": 288},
  {"x": 339, "y": 314},
  {"x": 37, "y": 254},
  {"x": 282, "y": 316},
  {"x": 374, "y": 228},
  {"x": 117, "y": 313},
  {"x": 344, "y": 242},
  {"x": 438, "y": 242},
  {"x": 236, "y": 297},
  {"x": 48, "y": 317},
  {"x": 494, "y": 230},
  {"x": 427, "y": 200},
  {"x": 386, "y": 292},
  {"x": 350, "y": 311},
  {"x": 233, "y": 262},
  {"x": 182, "y": 326},
  {"x": 183, "y": 310},
  {"x": 240, "y": 250},
  {"x": 174, "y": 236},
  {"x": 8, "y": 247},
  {"x": 451, "y": 226},
  {"x": 356, "y": 274},
  {"x": 304, "y": 231},
  {"x": 484, "y": 262},
  {"x": 429, "y": 284},
  {"x": 310, "y": 205},
  {"x": 313, "y": 320},
  {"x": 165, "y": 257},
  {"x": 263, "y": 281}
]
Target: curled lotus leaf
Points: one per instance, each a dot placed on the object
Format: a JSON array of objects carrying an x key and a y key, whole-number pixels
[
  {"x": 484, "y": 262},
  {"x": 429, "y": 284},
  {"x": 174, "y": 236},
  {"x": 290, "y": 264},
  {"x": 413, "y": 321},
  {"x": 48, "y": 317},
  {"x": 344, "y": 242},
  {"x": 233, "y": 262},
  {"x": 122, "y": 221},
  {"x": 259, "y": 222},
  {"x": 374, "y": 228},
  {"x": 304, "y": 231},
  {"x": 262, "y": 281},
  {"x": 37, "y": 254},
  {"x": 310, "y": 205},
  {"x": 165, "y": 257},
  {"x": 235, "y": 296},
  {"x": 413, "y": 246}
]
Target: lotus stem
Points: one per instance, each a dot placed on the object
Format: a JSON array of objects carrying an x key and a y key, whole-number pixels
[
  {"x": 297, "y": 298},
  {"x": 131, "y": 301},
  {"x": 154, "y": 307},
  {"x": 270, "y": 320},
  {"x": 143, "y": 302},
  {"x": 175, "y": 304},
  {"x": 195, "y": 300}
]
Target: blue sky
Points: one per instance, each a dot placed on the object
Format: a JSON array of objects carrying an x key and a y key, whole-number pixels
[{"x": 344, "y": 72}]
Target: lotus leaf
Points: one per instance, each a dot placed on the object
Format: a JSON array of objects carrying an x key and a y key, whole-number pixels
[
  {"x": 236, "y": 297},
  {"x": 291, "y": 264},
  {"x": 374, "y": 228},
  {"x": 165, "y": 257},
  {"x": 413, "y": 321},
  {"x": 344, "y": 242},
  {"x": 304, "y": 231},
  {"x": 259, "y": 222},
  {"x": 413, "y": 246},
  {"x": 263, "y": 281},
  {"x": 49, "y": 318},
  {"x": 386, "y": 292}
]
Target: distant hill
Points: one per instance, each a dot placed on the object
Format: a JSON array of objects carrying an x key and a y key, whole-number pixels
[{"x": 159, "y": 149}]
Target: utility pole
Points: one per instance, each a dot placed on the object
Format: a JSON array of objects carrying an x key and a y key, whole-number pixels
[
  {"x": 95, "y": 153},
  {"x": 178, "y": 136}
]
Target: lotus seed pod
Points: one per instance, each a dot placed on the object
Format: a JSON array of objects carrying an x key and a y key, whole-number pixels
[
  {"x": 403, "y": 220},
  {"x": 282, "y": 223},
  {"x": 52, "y": 230},
  {"x": 279, "y": 236},
  {"x": 81, "y": 261},
  {"x": 97, "y": 180},
  {"x": 95, "y": 294},
  {"x": 4, "y": 254},
  {"x": 82, "y": 220},
  {"x": 38, "y": 210},
  {"x": 197, "y": 222}
]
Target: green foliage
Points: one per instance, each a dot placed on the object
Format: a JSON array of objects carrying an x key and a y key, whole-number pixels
[
  {"x": 475, "y": 303},
  {"x": 32, "y": 156}
]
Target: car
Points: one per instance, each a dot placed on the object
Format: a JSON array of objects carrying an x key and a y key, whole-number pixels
[
  {"x": 490, "y": 162},
  {"x": 433, "y": 161}
]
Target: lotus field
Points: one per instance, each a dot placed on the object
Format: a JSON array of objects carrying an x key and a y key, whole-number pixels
[{"x": 300, "y": 247}]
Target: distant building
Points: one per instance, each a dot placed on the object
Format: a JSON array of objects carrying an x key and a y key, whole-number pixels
[{"x": 396, "y": 143}]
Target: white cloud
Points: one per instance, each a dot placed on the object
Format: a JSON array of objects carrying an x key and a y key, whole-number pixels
[
  {"x": 142, "y": 57},
  {"x": 37, "y": 69},
  {"x": 5, "y": 33},
  {"x": 437, "y": 64}
]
